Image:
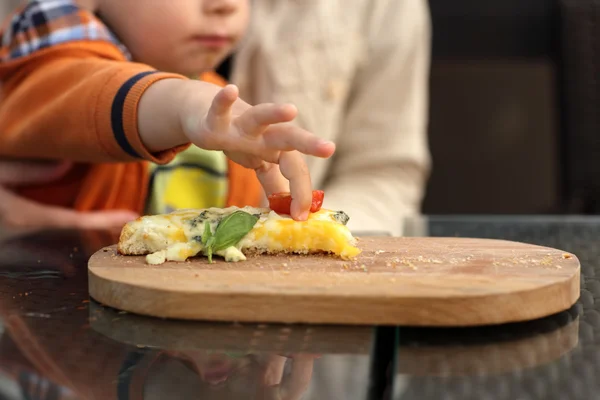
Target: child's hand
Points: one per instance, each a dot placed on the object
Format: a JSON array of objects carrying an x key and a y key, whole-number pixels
[
  {"x": 19, "y": 214},
  {"x": 259, "y": 138}
]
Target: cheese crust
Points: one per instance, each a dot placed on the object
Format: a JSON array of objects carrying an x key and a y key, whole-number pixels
[{"x": 178, "y": 235}]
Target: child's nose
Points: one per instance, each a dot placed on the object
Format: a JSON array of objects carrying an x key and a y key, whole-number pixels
[{"x": 220, "y": 7}]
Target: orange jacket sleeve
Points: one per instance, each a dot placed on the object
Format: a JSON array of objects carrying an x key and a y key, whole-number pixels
[{"x": 75, "y": 101}]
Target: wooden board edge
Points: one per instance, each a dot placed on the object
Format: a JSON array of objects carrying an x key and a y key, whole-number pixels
[{"x": 325, "y": 310}]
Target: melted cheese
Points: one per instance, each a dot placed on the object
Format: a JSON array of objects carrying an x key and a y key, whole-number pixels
[
  {"x": 232, "y": 254},
  {"x": 177, "y": 236},
  {"x": 319, "y": 232}
]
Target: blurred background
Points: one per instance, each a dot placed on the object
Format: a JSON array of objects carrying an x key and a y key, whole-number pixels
[
  {"x": 514, "y": 107},
  {"x": 514, "y": 121}
]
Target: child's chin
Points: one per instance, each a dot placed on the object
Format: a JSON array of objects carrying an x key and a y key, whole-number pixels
[{"x": 208, "y": 63}]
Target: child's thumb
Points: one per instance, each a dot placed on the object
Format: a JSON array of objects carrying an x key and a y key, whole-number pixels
[
  {"x": 104, "y": 219},
  {"x": 65, "y": 218},
  {"x": 23, "y": 173}
]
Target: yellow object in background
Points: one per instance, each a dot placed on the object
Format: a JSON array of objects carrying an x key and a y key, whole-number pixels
[{"x": 196, "y": 178}]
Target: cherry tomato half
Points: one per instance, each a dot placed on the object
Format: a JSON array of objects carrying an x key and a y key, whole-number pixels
[{"x": 281, "y": 202}]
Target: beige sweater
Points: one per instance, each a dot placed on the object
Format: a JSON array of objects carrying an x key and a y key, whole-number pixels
[
  {"x": 8, "y": 6},
  {"x": 358, "y": 72}
]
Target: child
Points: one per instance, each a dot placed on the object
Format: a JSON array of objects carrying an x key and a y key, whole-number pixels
[{"x": 75, "y": 90}]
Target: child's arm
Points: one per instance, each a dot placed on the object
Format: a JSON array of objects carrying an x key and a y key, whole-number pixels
[{"x": 76, "y": 103}]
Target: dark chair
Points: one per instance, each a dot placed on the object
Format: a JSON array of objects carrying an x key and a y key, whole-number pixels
[
  {"x": 580, "y": 45},
  {"x": 496, "y": 107}
]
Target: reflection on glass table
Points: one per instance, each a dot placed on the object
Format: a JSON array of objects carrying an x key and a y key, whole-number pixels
[
  {"x": 57, "y": 343},
  {"x": 557, "y": 357},
  {"x": 213, "y": 360}
]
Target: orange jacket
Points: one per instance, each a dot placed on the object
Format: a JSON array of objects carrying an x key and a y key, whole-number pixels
[{"x": 78, "y": 101}]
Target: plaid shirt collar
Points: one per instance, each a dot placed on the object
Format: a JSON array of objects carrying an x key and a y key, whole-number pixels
[{"x": 45, "y": 23}]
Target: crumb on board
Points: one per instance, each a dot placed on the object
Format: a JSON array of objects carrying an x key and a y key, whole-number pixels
[
  {"x": 379, "y": 251},
  {"x": 345, "y": 266},
  {"x": 284, "y": 265},
  {"x": 546, "y": 261},
  {"x": 567, "y": 256}
]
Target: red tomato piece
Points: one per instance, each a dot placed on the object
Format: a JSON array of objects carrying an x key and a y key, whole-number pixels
[
  {"x": 317, "y": 200},
  {"x": 281, "y": 202}
]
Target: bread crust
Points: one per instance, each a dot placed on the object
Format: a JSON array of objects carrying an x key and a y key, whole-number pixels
[{"x": 128, "y": 245}]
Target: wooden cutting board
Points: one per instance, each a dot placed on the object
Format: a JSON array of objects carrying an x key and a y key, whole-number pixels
[{"x": 403, "y": 281}]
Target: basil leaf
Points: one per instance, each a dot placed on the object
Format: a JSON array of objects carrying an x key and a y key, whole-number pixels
[
  {"x": 232, "y": 229},
  {"x": 207, "y": 233},
  {"x": 209, "y": 248}
]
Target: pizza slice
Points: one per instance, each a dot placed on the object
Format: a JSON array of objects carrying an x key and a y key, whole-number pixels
[{"x": 233, "y": 233}]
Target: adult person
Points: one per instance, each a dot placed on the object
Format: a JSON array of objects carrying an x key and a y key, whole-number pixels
[{"x": 358, "y": 71}]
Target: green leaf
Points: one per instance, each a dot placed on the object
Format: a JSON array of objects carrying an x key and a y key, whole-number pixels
[
  {"x": 209, "y": 248},
  {"x": 207, "y": 233},
  {"x": 232, "y": 229}
]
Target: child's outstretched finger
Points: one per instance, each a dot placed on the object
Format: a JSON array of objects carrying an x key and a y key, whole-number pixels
[
  {"x": 287, "y": 137},
  {"x": 294, "y": 168},
  {"x": 219, "y": 114},
  {"x": 258, "y": 118}
]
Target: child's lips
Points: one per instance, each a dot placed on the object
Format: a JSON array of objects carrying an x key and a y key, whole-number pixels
[{"x": 213, "y": 41}]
